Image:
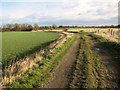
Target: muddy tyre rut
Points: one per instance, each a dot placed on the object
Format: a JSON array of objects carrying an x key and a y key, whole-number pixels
[
  {"x": 63, "y": 74},
  {"x": 109, "y": 65},
  {"x": 61, "y": 77}
]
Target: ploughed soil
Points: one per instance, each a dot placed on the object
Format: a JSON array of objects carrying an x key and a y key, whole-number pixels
[{"x": 62, "y": 75}]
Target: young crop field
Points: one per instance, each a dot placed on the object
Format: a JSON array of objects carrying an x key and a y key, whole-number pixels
[
  {"x": 23, "y": 43},
  {"x": 77, "y": 60},
  {"x": 39, "y": 74}
]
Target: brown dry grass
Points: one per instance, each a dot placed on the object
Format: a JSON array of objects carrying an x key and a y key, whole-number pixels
[
  {"x": 108, "y": 33},
  {"x": 18, "y": 68}
]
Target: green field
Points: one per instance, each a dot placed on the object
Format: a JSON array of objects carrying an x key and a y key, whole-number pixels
[
  {"x": 24, "y": 43},
  {"x": 36, "y": 76}
]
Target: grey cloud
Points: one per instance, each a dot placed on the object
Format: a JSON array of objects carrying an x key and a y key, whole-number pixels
[
  {"x": 63, "y": 21},
  {"x": 54, "y": 11}
]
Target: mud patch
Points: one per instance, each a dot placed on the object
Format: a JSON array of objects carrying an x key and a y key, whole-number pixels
[{"x": 110, "y": 66}]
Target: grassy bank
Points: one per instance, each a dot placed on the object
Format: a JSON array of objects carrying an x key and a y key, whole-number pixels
[
  {"x": 88, "y": 72},
  {"x": 40, "y": 73}
]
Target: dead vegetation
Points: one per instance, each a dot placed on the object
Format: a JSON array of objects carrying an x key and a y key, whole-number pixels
[
  {"x": 112, "y": 34},
  {"x": 19, "y": 67},
  {"x": 91, "y": 77}
]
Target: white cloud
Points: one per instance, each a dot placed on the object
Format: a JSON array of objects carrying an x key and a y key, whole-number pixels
[
  {"x": 65, "y": 11},
  {"x": 91, "y": 10}
]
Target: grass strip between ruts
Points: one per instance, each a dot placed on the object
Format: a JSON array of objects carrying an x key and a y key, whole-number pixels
[{"x": 87, "y": 66}]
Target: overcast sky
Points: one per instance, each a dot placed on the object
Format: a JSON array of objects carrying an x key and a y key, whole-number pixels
[{"x": 60, "y": 12}]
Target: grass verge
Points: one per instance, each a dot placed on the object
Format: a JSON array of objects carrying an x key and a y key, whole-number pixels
[{"x": 40, "y": 73}]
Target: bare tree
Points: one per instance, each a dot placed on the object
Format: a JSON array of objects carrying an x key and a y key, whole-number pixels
[
  {"x": 36, "y": 27},
  {"x": 54, "y": 26},
  {"x": 24, "y": 27},
  {"x": 30, "y": 27},
  {"x": 9, "y": 26}
]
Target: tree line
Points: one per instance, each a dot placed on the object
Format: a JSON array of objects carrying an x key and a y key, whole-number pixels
[
  {"x": 28, "y": 27},
  {"x": 25, "y": 27},
  {"x": 106, "y": 26},
  {"x": 19, "y": 27}
]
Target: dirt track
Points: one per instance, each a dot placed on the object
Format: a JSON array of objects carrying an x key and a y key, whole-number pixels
[
  {"x": 109, "y": 65},
  {"x": 61, "y": 77}
]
